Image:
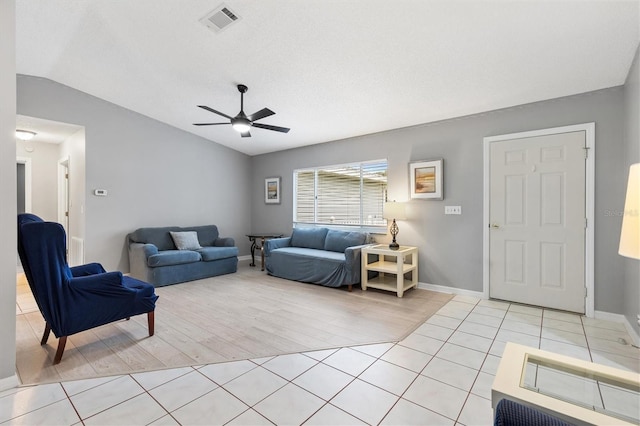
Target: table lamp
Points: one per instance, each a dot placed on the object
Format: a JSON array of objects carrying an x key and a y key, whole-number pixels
[
  {"x": 630, "y": 233},
  {"x": 393, "y": 210}
]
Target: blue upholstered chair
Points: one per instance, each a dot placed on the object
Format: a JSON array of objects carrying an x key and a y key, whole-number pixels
[
  {"x": 511, "y": 413},
  {"x": 79, "y": 298}
]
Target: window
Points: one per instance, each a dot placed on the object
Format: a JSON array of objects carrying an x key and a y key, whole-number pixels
[{"x": 349, "y": 195}]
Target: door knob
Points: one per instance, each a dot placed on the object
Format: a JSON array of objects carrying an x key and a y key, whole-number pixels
[{"x": 493, "y": 225}]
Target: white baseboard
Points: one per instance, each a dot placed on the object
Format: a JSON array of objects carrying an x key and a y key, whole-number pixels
[
  {"x": 608, "y": 316},
  {"x": 9, "y": 383},
  {"x": 451, "y": 290},
  {"x": 247, "y": 257}
]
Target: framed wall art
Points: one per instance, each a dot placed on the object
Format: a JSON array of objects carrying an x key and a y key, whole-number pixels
[
  {"x": 272, "y": 190},
  {"x": 426, "y": 179}
]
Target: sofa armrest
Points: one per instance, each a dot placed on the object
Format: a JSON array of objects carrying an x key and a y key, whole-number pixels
[
  {"x": 224, "y": 242},
  {"x": 138, "y": 255},
  {"x": 276, "y": 243},
  {"x": 353, "y": 256},
  {"x": 85, "y": 270},
  {"x": 98, "y": 283},
  {"x": 143, "y": 250}
]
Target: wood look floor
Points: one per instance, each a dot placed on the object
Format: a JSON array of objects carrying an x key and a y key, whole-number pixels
[{"x": 244, "y": 315}]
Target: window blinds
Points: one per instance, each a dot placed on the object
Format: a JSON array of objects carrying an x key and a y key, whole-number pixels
[{"x": 344, "y": 195}]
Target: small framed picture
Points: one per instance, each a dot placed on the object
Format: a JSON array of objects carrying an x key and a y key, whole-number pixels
[
  {"x": 426, "y": 179},
  {"x": 272, "y": 190}
]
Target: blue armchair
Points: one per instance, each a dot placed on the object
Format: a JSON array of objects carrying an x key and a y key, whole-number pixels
[{"x": 79, "y": 298}]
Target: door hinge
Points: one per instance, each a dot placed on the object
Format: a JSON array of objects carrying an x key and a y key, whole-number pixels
[
  {"x": 586, "y": 223},
  {"x": 586, "y": 152},
  {"x": 66, "y": 214},
  {"x": 585, "y": 292},
  {"x": 66, "y": 176}
]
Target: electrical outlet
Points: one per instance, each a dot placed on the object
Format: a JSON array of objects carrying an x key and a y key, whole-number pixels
[{"x": 452, "y": 209}]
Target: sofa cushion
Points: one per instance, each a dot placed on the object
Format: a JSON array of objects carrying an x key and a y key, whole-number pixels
[
  {"x": 340, "y": 240},
  {"x": 173, "y": 257},
  {"x": 187, "y": 240},
  {"x": 215, "y": 253},
  {"x": 207, "y": 234},
  {"x": 159, "y": 237},
  {"x": 312, "y": 238}
]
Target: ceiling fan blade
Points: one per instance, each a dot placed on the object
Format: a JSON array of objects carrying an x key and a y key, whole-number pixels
[
  {"x": 269, "y": 127},
  {"x": 208, "y": 124},
  {"x": 246, "y": 134},
  {"x": 214, "y": 111},
  {"x": 264, "y": 112}
]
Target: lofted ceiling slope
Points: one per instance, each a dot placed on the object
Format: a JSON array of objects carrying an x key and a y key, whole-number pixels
[{"x": 329, "y": 69}]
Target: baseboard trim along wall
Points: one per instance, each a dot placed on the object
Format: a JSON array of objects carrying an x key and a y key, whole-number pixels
[
  {"x": 451, "y": 290},
  {"x": 9, "y": 383},
  {"x": 608, "y": 316}
]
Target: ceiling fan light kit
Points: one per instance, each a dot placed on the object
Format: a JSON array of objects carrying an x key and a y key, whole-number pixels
[{"x": 242, "y": 123}]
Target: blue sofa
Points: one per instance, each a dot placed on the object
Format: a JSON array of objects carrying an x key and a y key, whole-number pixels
[
  {"x": 154, "y": 257},
  {"x": 317, "y": 255}
]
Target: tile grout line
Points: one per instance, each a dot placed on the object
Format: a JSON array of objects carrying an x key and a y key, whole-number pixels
[
  {"x": 483, "y": 361},
  {"x": 328, "y": 402}
]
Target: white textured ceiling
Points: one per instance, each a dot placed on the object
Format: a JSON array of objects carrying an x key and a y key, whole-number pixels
[{"x": 329, "y": 69}]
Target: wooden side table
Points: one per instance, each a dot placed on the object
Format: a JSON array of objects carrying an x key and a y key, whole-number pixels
[
  {"x": 263, "y": 236},
  {"x": 391, "y": 265}
]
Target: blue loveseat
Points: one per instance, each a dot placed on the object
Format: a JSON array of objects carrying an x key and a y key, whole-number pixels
[
  {"x": 317, "y": 255},
  {"x": 154, "y": 257}
]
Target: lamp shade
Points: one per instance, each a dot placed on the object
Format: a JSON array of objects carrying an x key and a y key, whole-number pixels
[
  {"x": 630, "y": 234},
  {"x": 393, "y": 210}
]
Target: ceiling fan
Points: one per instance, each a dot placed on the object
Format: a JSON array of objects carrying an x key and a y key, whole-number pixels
[{"x": 242, "y": 122}]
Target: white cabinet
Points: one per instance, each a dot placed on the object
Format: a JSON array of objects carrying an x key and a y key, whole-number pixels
[{"x": 397, "y": 269}]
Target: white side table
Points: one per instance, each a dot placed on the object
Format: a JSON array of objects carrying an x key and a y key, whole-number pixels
[{"x": 392, "y": 266}]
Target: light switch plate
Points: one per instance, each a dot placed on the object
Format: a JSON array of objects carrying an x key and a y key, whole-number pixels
[{"x": 452, "y": 209}]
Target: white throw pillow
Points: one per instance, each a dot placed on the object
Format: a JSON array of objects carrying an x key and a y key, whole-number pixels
[{"x": 187, "y": 240}]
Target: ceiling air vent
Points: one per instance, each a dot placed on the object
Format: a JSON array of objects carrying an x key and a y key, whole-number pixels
[{"x": 219, "y": 18}]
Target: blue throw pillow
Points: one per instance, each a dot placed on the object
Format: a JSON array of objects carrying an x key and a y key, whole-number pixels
[
  {"x": 308, "y": 237},
  {"x": 340, "y": 240}
]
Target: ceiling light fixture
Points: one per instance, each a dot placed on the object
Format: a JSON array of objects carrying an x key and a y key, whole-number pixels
[
  {"x": 25, "y": 135},
  {"x": 240, "y": 124}
]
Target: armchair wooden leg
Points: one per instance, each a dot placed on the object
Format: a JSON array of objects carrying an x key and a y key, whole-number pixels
[
  {"x": 61, "y": 344},
  {"x": 350, "y": 288},
  {"x": 151, "y": 321},
  {"x": 45, "y": 336}
]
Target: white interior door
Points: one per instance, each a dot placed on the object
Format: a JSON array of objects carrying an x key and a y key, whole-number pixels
[{"x": 537, "y": 220}]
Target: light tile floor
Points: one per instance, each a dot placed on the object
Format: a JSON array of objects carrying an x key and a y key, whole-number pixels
[{"x": 439, "y": 375}]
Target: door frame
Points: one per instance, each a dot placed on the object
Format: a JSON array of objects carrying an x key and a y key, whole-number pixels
[
  {"x": 64, "y": 198},
  {"x": 27, "y": 181},
  {"x": 590, "y": 140}
]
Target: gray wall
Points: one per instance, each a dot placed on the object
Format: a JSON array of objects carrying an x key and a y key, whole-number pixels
[
  {"x": 7, "y": 192},
  {"x": 44, "y": 177},
  {"x": 451, "y": 246},
  {"x": 155, "y": 174},
  {"x": 632, "y": 155}
]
